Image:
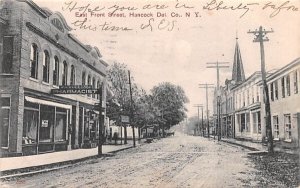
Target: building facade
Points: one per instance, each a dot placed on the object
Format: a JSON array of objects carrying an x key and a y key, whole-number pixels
[
  {"x": 37, "y": 54},
  {"x": 284, "y": 97},
  {"x": 247, "y": 116}
]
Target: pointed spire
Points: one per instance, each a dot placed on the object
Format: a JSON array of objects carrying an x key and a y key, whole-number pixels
[{"x": 238, "y": 74}]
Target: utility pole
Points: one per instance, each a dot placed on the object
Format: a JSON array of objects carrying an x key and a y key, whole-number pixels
[
  {"x": 101, "y": 136},
  {"x": 199, "y": 106},
  {"x": 206, "y": 86},
  {"x": 131, "y": 110},
  {"x": 218, "y": 65},
  {"x": 260, "y": 37}
]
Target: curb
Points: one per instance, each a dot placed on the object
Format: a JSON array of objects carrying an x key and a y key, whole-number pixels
[
  {"x": 27, "y": 171},
  {"x": 241, "y": 145}
]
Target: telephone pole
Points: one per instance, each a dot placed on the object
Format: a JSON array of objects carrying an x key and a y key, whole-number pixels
[
  {"x": 218, "y": 65},
  {"x": 206, "y": 86},
  {"x": 101, "y": 122},
  {"x": 131, "y": 110},
  {"x": 199, "y": 106},
  {"x": 260, "y": 37}
]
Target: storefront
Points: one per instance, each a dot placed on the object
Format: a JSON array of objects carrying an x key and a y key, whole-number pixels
[{"x": 45, "y": 126}]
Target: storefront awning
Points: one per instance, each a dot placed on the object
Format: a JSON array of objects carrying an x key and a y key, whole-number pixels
[{"x": 49, "y": 103}]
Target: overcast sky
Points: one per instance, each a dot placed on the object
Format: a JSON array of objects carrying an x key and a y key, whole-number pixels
[{"x": 180, "y": 56}]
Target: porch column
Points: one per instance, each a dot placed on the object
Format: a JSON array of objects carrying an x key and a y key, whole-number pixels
[
  {"x": 251, "y": 124},
  {"x": 76, "y": 144},
  {"x": 82, "y": 127}
]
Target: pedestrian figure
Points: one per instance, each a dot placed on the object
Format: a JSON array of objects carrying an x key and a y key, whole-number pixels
[{"x": 115, "y": 137}]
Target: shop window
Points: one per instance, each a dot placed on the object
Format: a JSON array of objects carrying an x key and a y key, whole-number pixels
[
  {"x": 288, "y": 127},
  {"x": 83, "y": 78},
  {"x": 61, "y": 124},
  {"x": 4, "y": 120},
  {"x": 46, "y": 65},
  {"x": 258, "y": 123},
  {"x": 30, "y": 124},
  {"x": 72, "y": 78},
  {"x": 65, "y": 74},
  {"x": 288, "y": 85},
  {"x": 7, "y": 61},
  {"x": 34, "y": 56},
  {"x": 46, "y": 123},
  {"x": 276, "y": 127},
  {"x": 296, "y": 82},
  {"x": 56, "y": 71}
]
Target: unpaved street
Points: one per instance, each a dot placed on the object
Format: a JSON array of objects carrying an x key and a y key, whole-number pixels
[{"x": 179, "y": 161}]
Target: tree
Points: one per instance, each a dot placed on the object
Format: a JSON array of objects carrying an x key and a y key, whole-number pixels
[
  {"x": 118, "y": 83},
  {"x": 169, "y": 99},
  {"x": 192, "y": 125}
]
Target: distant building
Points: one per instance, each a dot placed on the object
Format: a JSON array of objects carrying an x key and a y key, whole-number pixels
[
  {"x": 37, "y": 54},
  {"x": 284, "y": 96},
  {"x": 227, "y": 96}
]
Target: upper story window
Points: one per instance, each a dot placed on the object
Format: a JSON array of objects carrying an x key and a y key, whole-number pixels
[
  {"x": 282, "y": 87},
  {"x": 34, "y": 56},
  {"x": 72, "y": 79},
  {"x": 94, "y": 85},
  {"x": 276, "y": 90},
  {"x": 98, "y": 87},
  {"x": 296, "y": 82},
  {"x": 248, "y": 97},
  {"x": 288, "y": 85},
  {"x": 272, "y": 91},
  {"x": 46, "y": 65},
  {"x": 257, "y": 93},
  {"x": 56, "y": 71},
  {"x": 83, "y": 78},
  {"x": 57, "y": 23},
  {"x": 89, "y": 83},
  {"x": 7, "y": 61},
  {"x": 65, "y": 74}
]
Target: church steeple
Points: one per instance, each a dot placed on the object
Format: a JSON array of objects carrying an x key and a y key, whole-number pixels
[{"x": 238, "y": 74}]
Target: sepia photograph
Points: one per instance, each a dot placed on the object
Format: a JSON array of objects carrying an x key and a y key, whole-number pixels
[{"x": 149, "y": 93}]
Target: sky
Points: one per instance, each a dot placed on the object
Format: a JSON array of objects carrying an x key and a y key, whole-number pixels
[{"x": 180, "y": 56}]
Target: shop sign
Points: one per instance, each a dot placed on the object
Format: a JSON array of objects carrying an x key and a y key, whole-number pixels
[
  {"x": 124, "y": 119},
  {"x": 76, "y": 89},
  {"x": 44, "y": 123}
]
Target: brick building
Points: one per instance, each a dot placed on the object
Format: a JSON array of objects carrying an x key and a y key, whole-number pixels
[{"x": 37, "y": 54}]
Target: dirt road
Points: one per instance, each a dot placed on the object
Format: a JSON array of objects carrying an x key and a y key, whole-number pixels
[{"x": 179, "y": 161}]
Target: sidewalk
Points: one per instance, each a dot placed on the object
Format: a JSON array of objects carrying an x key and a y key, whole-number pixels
[
  {"x": 253, "y": 146},
  {"x": 34, "y": 162}
]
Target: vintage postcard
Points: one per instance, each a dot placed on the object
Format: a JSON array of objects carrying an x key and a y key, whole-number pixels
[{"x": 149, "y": 93}]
